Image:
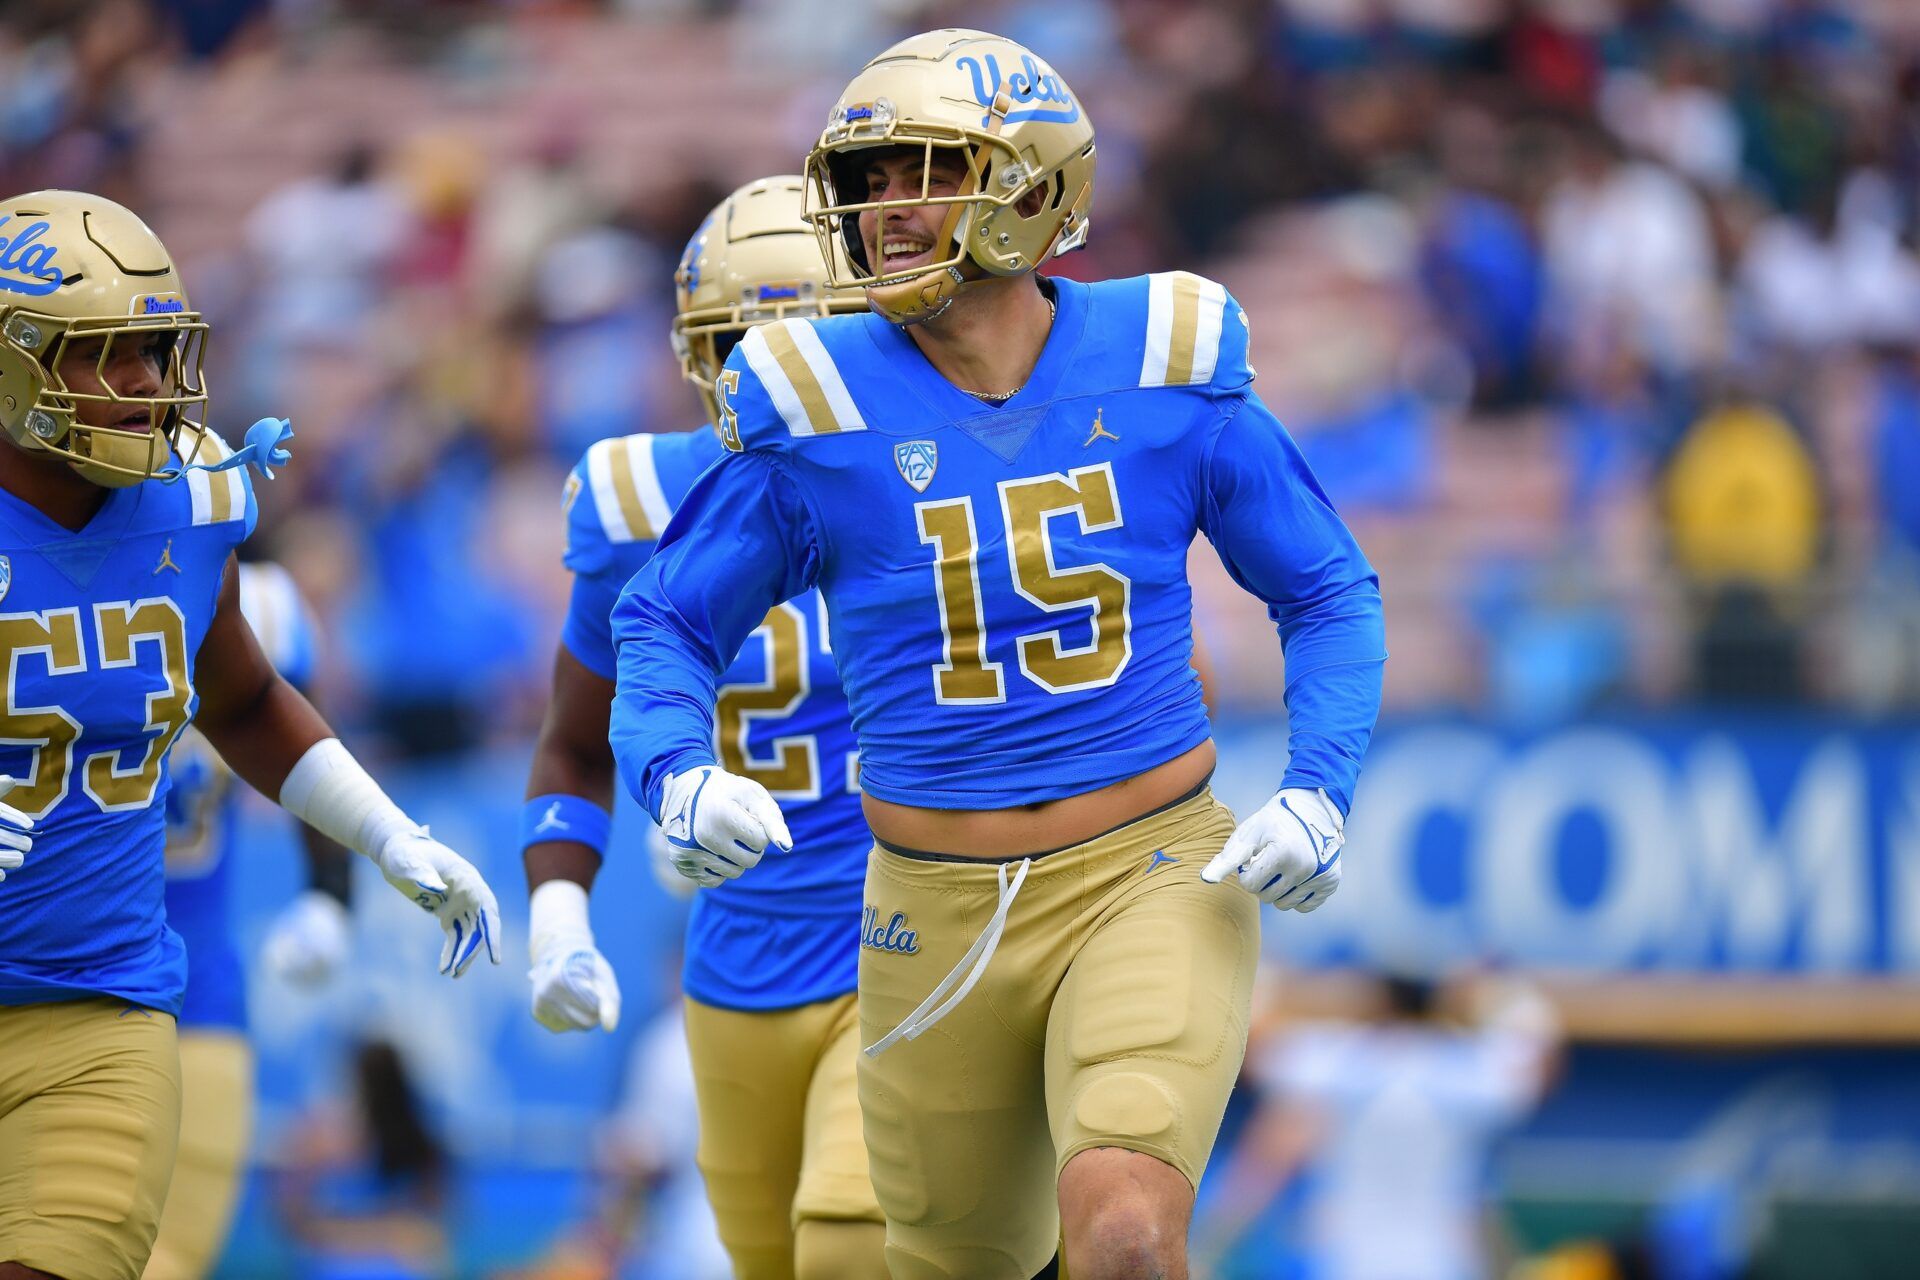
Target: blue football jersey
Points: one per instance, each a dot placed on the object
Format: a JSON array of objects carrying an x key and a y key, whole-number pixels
[
  {"x": 787, "y": 932},
  {"x": 99, "y": 631},
  {"x": 1006, "y": 583},
  {"x": 201, "y": 805}
]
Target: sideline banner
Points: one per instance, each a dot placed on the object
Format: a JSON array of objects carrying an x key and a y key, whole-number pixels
[{"x": 1683, "y": 844}]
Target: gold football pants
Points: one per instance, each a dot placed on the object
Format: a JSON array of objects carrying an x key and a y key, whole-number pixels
[
  {"x": 216, "y": 1115},
  {"x": 780, "y": 1143},
  {"x": 89, "y": 1115},
  {"x": 1113, "y": 1014}
]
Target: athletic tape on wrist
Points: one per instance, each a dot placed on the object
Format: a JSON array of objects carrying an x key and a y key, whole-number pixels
[
  {"x": 557, "y": 914},
  {"x": 329, "y": 791}
]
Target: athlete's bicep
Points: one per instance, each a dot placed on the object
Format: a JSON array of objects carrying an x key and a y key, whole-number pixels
[
  {"x": 1272, "y": 524},
  {"x": 231, "y": 671}
]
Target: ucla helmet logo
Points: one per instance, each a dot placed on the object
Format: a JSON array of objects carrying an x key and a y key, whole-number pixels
[{"x": 917, "y": 460}]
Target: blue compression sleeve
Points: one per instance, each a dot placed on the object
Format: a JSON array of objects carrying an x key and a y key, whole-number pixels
[
  {"x": 741, "y": 542},
  {"x": 1281, "y": 539}
]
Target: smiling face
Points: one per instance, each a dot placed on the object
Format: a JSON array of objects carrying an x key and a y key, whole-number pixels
[{"x": 906, "y": 238}]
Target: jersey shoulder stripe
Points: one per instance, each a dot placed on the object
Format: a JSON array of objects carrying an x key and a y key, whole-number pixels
[
  {"x": 624, "y": 485},
  {"x": 1184, "y": 319},
  {"x": 217, "y": 496},
  {"x": 800, "y": 378}
]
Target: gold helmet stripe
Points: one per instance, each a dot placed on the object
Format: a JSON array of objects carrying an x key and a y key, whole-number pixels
[
  {"x": 1183, "y": 330},
  {"x": 218, "y": 496},
  {"x": 801, "y": 379},
  {"x": 626, "y": 489}
]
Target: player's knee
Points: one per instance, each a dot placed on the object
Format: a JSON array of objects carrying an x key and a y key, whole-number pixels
[
  {"x": 20, "y": 1271},
  {"x": 825, "y": 1249},
  {"x": 1123, "y": 1214},
  {"x": 1113, "y": 1246}
]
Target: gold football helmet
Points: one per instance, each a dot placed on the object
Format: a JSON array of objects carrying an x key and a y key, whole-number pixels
[
  {"x": 1016, "y": 125},
  {"x": 76, "y": 268},
  {"x": 754, "y": 259}
]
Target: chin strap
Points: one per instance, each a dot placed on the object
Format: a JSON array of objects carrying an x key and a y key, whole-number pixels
[{"x": 263, "y": 451}]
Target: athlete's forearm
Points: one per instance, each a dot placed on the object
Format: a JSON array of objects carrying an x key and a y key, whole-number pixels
[
  {"x": 262, "y": 737},
  {"x": 1335, "y": 651},
  {"x": 571, "y": 758},
  {"x": 662, "y": 721}
]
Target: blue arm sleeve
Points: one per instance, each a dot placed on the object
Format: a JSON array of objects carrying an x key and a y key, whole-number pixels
[
  {"x": 1281, "y": 539},
  {"x": 741, "y": 542}
]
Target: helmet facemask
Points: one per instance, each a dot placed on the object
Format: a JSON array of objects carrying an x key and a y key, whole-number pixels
[
  {"x": 111, "y": 456},
  {"x": 985, "y": 231}
]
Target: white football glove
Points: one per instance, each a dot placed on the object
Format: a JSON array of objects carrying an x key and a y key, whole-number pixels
[
  {"x": 15, "y": 843},
  {"x": 308, "y": 942},
  {"x": 661, "y": 855},
  {"x": 446, "y": 886},
  {"x": 719, "y": 823},
  {"x": 573, "y": 985},
  {"x": 1287, "y": 854}
]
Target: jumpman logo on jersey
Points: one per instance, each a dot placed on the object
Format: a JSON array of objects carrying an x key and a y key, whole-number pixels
[
  {"x": 551, "y": 820},
  {"x": 166, "y": 559},
  {"x": 1099, "y": 432},
  {"x": 1160, "y": 859}
]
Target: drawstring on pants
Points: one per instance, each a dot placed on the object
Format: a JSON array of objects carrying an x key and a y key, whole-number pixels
[{"x": 974, "y": 964}]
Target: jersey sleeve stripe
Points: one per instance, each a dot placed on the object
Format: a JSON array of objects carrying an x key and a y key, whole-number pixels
[
  {"x": 1209, "y": 304},
  {"x": 200, "y": 489},
  {"x": 811, "y": 404},
  {"x": 606, "y": 502},
  {"x": 633, "y": 513},
  {"x": 646, "y": 484},
  {"x": 845, "y": 416},
  {"x": 217, "y": 496},
  {"x": 1183, "y": 330}
]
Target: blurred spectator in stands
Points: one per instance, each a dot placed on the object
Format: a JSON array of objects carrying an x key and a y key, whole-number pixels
[
  {"x": 1479, "y": 263},
  {"x": 1629, "y": 253},
  {"x": 439, "y": 642},
  {"x": 602, "y": 335},
  {"x": 69, "y": 112},
  {"x": 1838, "y": 275},
  {"x": 536, "y": 200},
  {"x": 1880, "y": 634},
  {"x": 323, "y": 249},
  {"x": 1745, "y": 521},
  {"x": 1374, "y": 1136},
  {"x": 1677, "y": 113},
  {"x": 364, "y": 1194},
  {"x": 208, "y": 27}
]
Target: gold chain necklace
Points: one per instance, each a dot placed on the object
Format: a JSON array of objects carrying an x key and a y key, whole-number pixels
[{"x": 1001, "y": 397}]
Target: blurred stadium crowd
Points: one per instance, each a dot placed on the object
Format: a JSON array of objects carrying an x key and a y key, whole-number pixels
[{"x": 1597, "y": 317}]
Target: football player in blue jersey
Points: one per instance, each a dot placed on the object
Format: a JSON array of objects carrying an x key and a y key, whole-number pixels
[
  {"x": 119, "y": 623},
  {"x": 306, "y": 943},
  {"x": 993, "y": 481},
  {"x": 769, "y": 963}
]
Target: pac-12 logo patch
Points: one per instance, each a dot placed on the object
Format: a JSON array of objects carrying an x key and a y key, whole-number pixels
[
  {"x": 917, "y": 460},
  {"x": 6, "y": 576}
]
